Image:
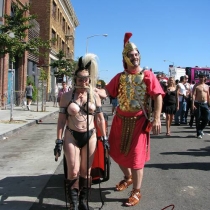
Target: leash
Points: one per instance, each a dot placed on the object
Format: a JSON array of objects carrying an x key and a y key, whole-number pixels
[
  {"x": 172, "y": 205},
  {"x": 88, "y": 96}
]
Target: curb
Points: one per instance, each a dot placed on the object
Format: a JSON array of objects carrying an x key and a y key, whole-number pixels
[{"x": 17, "y": 130}]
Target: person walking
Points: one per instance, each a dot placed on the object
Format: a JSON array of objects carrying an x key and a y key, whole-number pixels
[
  {"x": 129, "y": 137},
  {"x": 163, "y": 84},
  {"x": 200, "y": 102},
  {"x": 78, "y": 109},
  {"x": 100, "y": 91},
  {"x": 170, "y": 104},
  {"x": 55, "y": 96},
  {"x": 29, "y": 95},
  {"x": 181, "y": 102},
  {"x": 192, "y": 116},
  {"x": 62, "y": 90},
  {"x": 187, "y": 97}
]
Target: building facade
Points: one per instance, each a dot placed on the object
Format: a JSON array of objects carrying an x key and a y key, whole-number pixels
[
  {"x": 13, "y": 75},
  {"x": 57, "y": 21}
]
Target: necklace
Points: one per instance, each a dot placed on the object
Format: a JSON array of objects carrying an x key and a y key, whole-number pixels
[{"x": 85, "y": 127}]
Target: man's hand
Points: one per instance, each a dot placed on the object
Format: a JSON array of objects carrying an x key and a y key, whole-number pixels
[
  {"x": 58, "y": 148},
  {"x": 156, "y": 126}
]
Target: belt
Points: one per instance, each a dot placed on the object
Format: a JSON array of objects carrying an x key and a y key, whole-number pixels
[
  {"x": 128, "y": 126},
  {"x": 201, "y": 103}
]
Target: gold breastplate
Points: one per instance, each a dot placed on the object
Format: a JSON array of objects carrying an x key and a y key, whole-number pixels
[{"x": 132, "y": 89}]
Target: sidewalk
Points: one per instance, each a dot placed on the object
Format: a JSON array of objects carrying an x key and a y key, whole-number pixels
[{"x": 23, "y": 118}]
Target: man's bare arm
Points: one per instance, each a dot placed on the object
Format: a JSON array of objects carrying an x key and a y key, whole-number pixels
[
  {"x": 208, "y": 98},
  {"x": 101, "y": 93},
  {"x": 193, "y": 97},
  {"x": 156, "y": 125}
]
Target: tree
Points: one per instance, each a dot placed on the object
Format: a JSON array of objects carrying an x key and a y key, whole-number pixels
[
  {"x": 63, "y": 66},
  {"x": 18, "y": 23},
  {"x": 43, "y": 75}
]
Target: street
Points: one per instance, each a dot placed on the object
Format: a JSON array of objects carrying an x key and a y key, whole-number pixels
[{"x": 178, "y": 172}]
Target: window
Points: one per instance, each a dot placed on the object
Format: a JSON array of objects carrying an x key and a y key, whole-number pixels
[
  {"x": 63, "y": 24},
  {"x": 57, "y": 41},
  {"x": 54, "y": 9},
  {"x": 53, "y": 36},
  {"x": 58, "y": 15},
  {"x": 63, "y": 46},
  {"x": 68, "y": 54},
  {"x": 68, "y": 30}
]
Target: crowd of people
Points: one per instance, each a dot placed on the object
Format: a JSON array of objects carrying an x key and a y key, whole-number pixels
[
  {"x": 185, "y": 102},
  {"x": 138, "y": 98}
]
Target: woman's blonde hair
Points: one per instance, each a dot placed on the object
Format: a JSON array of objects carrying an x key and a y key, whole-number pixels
[{"x": 174, "y": 84}]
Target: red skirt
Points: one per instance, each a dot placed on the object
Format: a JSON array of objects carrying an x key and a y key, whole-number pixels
[{"x": 139, "y": 152}]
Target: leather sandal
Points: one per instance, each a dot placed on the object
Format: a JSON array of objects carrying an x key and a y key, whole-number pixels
[
  {"x": 134, "y": 198},
  {"x": 125, "y": 183}
]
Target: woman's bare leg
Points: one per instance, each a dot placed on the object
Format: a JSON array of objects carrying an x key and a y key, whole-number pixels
[
  {"x": 167, "y": 123},
  {"x": 72, "y": 154}
]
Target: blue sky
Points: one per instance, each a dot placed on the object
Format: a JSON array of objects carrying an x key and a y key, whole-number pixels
[{"x": 174, "y": 30}]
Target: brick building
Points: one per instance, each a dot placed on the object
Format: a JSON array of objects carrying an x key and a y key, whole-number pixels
[
  {"x": 57, "y": 20},
  {"x": 20, "y": 64}
]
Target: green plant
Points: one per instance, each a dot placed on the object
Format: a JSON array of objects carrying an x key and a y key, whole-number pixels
[
  {"x": 43, "y": 75},
  {"x": 18, "y": 23},
  {"x": 63, "y": 66}
]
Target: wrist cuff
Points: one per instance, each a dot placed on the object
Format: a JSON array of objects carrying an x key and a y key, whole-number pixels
[
  {"x": 59, "y": 141},
  {"x": 104, "y": 138}
]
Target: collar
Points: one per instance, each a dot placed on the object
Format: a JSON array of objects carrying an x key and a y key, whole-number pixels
[{"x": 132, "y": 71}]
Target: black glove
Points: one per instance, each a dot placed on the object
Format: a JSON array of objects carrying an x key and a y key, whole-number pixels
[
  {"x": 105, "y": 142},
  {"x": 58, "y": 148}
]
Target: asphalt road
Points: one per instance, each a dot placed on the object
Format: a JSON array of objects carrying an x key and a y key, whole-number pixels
[{"x": 178, "y": 172}]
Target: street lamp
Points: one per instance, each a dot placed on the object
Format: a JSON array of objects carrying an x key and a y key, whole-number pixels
[
  {"x": 93, "y": 36},
  {"x": 170, "y": 62}
]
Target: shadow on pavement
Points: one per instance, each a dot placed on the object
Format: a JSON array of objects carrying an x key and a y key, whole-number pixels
[
  {"x": 22, "y": 191},
  {"x": 172, "y": 136},
  {"x": 195, "y": 166},
  {"x": 192, "y": 152}
]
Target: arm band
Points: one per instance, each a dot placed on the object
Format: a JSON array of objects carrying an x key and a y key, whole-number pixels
[
  {"x": 99, "y": 109},
  {"x": 62, "y": 110}
]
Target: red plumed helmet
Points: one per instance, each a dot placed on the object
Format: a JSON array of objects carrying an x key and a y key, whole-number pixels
[{"x": 127, "y": 36}]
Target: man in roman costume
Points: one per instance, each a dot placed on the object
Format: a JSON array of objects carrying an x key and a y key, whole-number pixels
[{"x": 130, "y": 148}]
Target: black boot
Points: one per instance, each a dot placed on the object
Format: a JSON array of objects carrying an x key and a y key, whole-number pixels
[
  {"x": 72, "y": 189},
  {"x": 84, "y": 190}
]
